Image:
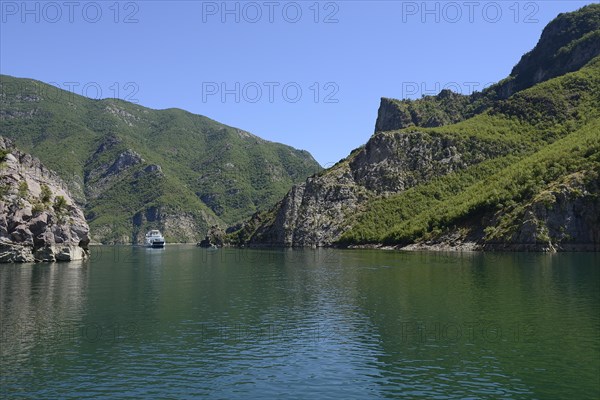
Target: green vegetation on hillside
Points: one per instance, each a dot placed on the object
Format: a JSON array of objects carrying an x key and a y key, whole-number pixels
[
  {"x": 508, "y": 187},
  {"x": 553, "y": 130},
  {"x": 215, "y": 173}
]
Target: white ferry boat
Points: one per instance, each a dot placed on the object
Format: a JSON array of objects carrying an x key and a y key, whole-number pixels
[{"x": 155, "y": 239}]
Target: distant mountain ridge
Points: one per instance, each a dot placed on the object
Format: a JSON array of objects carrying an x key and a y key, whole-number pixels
[
  {"x": 516, "y": 167},
  {"x": 132, "y": 168}
]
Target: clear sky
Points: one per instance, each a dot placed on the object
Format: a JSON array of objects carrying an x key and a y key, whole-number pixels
[{"x": 309, "y": 74}]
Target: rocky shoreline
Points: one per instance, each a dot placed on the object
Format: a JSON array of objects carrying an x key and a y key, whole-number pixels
[
  {"x": 488, "y": 248},
  {"x": 39, "y": 220}
]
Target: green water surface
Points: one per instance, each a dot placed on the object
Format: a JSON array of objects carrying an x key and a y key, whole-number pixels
[{"x": 186, "y": 322}]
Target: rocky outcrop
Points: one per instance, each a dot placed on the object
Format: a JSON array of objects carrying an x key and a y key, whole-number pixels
[
  {"x": 39, "y": 221},
  {"x": 104, "y": 172},
  {"x": 567, "y": 43},
  {"x": 430, "y": 111},
  {"x": 214, "y": 238},
  {"x": 390, "y": 163},
  {"x": 391, "y": 115},
  {"x": 125, "y": 160},
  {"x": 312, "y": 213},
  {"x": 565, "y": 216},
  {"x": 316, "y": 212}
]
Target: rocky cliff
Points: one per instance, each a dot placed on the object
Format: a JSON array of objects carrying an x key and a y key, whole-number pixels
[
  {"x": 565, "y": 215},
  {"x": 39, "y": 221},
  {"x": 316, "y": 213},
  {"x": 566, "y": 44},
  {"x": 430, "y": 111},
  {"x": 501, "y": 205}
]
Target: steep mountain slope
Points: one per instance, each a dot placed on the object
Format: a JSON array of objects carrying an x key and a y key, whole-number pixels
[
  {"x": 38, "y": 219},
  {"x": 133, "y": 168},
  {"x": 567, "y": 43},
  {"x": 476, "y": 182}
]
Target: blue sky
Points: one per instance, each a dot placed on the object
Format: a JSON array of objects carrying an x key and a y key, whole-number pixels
[{"x": 309, "y": 74}]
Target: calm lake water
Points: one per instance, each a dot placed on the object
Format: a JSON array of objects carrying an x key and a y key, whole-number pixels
[{"x": 186, "y": 322}]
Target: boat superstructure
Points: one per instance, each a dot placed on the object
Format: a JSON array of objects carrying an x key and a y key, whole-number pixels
[{"x": 155, "y": 239}]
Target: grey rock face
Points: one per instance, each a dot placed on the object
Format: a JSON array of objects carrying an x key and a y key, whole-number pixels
[
  {"x": 563, "y": 217},
  {"x": 11, "y": 252},
  {"x": 316, "y": 212},
  {"x": 566, "y": 44},
  {"x": 445, "y": 108},
  {"x": 313, "y": 213},
  {"x": 34, "y": 226},
  {"x": 389, "y": 164},
  {"x": 125, "y": 160},
  {"x": 391, "y": 117},
  {"x": 105, "y": 174}
]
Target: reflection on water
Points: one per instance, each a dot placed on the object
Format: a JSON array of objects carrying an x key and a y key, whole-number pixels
[
  {"x": 41, "y": 309},
  {"x": 303, "y": 324}
]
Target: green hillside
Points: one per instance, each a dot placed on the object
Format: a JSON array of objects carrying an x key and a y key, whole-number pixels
[
  {"x": 553, "y": 129},
  {"x": 133, "y": 168}
]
